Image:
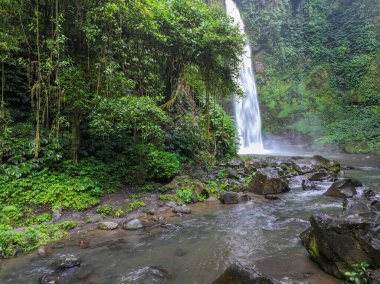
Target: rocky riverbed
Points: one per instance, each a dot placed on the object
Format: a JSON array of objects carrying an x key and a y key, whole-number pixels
[{"x": 270, "y": 192}]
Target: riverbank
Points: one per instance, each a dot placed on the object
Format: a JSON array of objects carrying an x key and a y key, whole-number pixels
[{"x": 159, "y": 220}]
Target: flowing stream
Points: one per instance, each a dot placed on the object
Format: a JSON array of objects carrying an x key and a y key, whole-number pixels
[
  {"x": 198, "y": 247},
  {"x": 247, "y": 110}
]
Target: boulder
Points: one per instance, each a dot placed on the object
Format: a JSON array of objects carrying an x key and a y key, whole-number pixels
[
  {"x": 315, "y": 164},
  {"x": 107, "y": 226},
  {"x": 343, "y": 188},
  {"x": 268, "y": 181},
  {"x": 66, "y": 262},
  {"x": 133, "y": 225},
  {"x": 182, "y": 209},
  {"x": 336, "y": 242},
  {"x": 243, "y": 197},
  {"x": 237, "y": 274},
  {"x": 235, "y": 163},
  {"x": 229, "y": 197},
  {"x": 309, "y": 185},
  {"x": 319, "y": 176}
]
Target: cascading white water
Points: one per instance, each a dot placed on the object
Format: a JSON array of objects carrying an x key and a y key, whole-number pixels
[{"x": 247, "y": 109}]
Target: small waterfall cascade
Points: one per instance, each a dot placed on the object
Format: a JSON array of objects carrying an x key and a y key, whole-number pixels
[{"x": 247, "y": 110}]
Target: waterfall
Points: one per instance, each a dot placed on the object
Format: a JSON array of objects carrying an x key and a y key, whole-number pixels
[{"x": 247, "y": 109}]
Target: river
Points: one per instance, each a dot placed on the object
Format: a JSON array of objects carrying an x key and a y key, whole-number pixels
[{"x": 197, "y": 248}]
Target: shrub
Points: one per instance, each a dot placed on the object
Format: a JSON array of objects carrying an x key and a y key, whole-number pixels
[
  {"x": 162, "y": 166},
  {"x": 136, "y": 204},
  {"x": 105, "y": 210},
  {"x": 185, "y": 194}
]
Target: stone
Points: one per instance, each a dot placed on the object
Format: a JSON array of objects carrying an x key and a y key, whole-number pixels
[
  {"x": 93, "y": 218},
  {"x": 237, "y": 274},
  {"x": 229, "y": 197},
  {"x": 336, "y": 242},
  {"x": 44, "y": 251},
  {"x": 66, "y": 261},
  {"x": 309, "y": 185},
  {"x": 235, "y": 163},
  {"x": 320, "y": 176},
  {"x": 150, "y": 211},
  {"x": 57, "y": 214},
  {"x": 133, "y": 225},
  {"x": 107, "y": 225},
  {"x": 343, "y": 188},
  {"x": 268, "y": 181},
  {"x": 234, "y": 174},
  {"x": 181, "y": 209},
  {"x": 244, "y": 197}
]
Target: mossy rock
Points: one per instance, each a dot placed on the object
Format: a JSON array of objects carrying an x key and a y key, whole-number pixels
[{"x": 361, "y": 147}]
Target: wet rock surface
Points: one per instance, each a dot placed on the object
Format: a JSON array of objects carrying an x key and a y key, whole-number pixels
[
  {"x": 181, "y": 209},
  {"x": 268, "y": 181},
  {"x": 133, "y": 225},
  {"x": 342, "y": 188},
  {"x": 237, "y": 274},
  {"x": 229, "y": 197},
  {"x": 336, "y": 242},
  {"x": 107, "y": 225},
  {"x": 66, "y": 262}
]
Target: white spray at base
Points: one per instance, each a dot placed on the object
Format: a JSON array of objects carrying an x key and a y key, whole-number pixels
[{"x": 247, "y": 109}]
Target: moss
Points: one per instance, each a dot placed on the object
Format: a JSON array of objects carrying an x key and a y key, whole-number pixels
[
  {"x": 313, "y": 247},
  {"x": 357, "y": 147}
]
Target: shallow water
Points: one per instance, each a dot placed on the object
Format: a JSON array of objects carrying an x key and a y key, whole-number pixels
[{"x": 198, "y": 247}]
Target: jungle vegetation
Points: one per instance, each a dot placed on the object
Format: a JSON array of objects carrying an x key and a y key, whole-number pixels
[{"x": 318, "y": 68}]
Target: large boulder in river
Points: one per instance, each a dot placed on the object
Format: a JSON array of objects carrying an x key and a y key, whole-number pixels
[
  {"x": 338, "y": 242},
  {"x": 268, "y": 181},
  {"x": 229, "y": 197},
  {"x": 315, "y": 164},
  {"x": 237, "y": 274},
  {"x": 343, "y": 188}
]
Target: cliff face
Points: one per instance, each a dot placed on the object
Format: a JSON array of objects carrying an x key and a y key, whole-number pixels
[{"x": 316, "y": 66}]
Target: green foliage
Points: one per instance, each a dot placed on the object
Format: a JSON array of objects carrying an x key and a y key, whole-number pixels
[
  {"x": 223, "y": 129},
  {"x": 162, "y": 166},
  {"x": 215, "y": 188},
  {"x": 316, "y": 77},
  {"x": 128, "y": 116},
  {"x": 135, "y": 204},
  {"x": 118, "y": 212},
  {"x": 10, "y": 215},
  {"x": 185, "y": 194},
  {"x": 42, "y": 218},
  {"x": 105, "y": 210},
  {"x": 360, "y": 274},
  {"x": 67, "y": 225},
  {"x": 12, "y": 242},
  {"x": 44, "y": 187}
]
